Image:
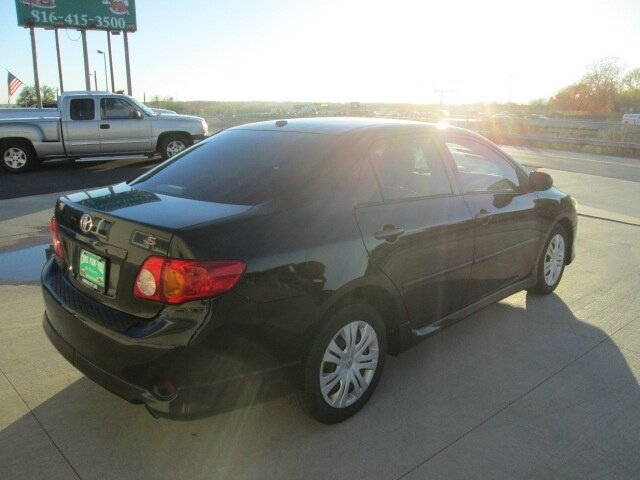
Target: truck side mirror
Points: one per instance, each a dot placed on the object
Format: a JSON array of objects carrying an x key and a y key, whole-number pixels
[{"x": 137, "y": 115}]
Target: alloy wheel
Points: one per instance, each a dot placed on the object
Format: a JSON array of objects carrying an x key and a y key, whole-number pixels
[
  {"x": 15, "y": 158},
  {"x": 174, "y": 147}
]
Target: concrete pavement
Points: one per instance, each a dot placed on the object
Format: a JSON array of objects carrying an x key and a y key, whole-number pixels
[{"x": 530, "y": 388}]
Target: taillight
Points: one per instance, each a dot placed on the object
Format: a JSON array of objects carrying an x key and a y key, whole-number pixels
[
  {"x": 175, "y": 281},
  {"x": 56, "y": 241}
]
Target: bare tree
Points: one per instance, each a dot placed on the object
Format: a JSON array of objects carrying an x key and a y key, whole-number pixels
[{"x": 602, "y": 82}]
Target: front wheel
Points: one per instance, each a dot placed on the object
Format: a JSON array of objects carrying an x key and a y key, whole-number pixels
[
  {"x": 344, "y": 363},
  {"x": 17, "y": 157},
  {"x": 172, "y": 145},
  {"x": 552, "y": 261}
]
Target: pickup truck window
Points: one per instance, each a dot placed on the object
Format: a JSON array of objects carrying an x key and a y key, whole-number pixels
[
  {"x": 82, "y": 109},
  {"x": 116, "y": 108}
]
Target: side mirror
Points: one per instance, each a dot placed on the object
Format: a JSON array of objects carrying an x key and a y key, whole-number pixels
[
  {"x": 137, "y": 115},
  {"x": 540, "y": 181}
]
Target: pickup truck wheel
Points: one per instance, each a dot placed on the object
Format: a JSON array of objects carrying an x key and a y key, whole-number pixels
[
  {"x": 173, "y": 144},
  {"x": 17, "y": 157}
]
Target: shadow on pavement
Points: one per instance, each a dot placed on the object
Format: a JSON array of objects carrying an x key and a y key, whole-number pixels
[{"x": 522, "y": 383}]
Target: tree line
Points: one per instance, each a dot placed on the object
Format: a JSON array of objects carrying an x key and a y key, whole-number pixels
[{"x": 606, "y": 87}]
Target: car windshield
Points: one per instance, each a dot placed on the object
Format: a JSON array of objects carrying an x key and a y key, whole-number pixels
[{"x": 242, "y": 167}]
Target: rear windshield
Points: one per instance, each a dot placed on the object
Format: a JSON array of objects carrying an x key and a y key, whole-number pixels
[{"x": 242, "y": 167}]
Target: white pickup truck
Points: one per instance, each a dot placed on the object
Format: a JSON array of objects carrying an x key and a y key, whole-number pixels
[{"x": 92, "y": 124}]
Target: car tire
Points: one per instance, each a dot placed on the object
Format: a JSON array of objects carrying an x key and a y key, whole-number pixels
[
  {"x": 344, "y": 363},
  {"x": 171, "y": 145},
  {"x": 552, "y": 261},
  {"x": 17, "y": 156}
]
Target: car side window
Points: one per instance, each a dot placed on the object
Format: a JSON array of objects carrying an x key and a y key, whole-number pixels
[
  {"x": 409, "y": 167},
  {"x": 116, "y": 109},
  {"x": 82, "y": 109},
  {"x": 480, "y": 168}
]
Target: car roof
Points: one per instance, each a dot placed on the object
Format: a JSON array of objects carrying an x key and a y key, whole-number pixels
[{"x": 341, "y": 125}]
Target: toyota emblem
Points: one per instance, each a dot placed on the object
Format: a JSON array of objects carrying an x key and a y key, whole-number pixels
[{"x": 86, "y": 222}]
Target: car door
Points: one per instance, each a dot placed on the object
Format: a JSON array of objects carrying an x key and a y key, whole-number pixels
[
  {"x": 503, "y": 206},
  {"x": 421, "y": 234},
  {"x": 123, "y": 128},
  {"x": 82, "y": 135}
]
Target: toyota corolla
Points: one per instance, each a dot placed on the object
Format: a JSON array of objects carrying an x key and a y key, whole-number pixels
[{"x": 310, "y": 246}]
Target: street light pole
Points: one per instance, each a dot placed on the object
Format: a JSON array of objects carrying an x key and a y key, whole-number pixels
[{"x": 104, "y": 57}]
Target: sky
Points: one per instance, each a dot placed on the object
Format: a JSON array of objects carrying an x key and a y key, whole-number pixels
[{"x": 341, "y": 50}]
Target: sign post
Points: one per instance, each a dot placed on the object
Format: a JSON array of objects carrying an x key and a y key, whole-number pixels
[
  {"x": 59, "y": 60},
  {"x": 113, "y": 86},
  {"x": 85, "y": 54},
  {"x": 127, "y": 65},
  {"x": 36, "y": 78}
]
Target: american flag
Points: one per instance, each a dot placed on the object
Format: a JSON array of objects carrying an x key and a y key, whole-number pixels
[{"x": 13, "y": 83}]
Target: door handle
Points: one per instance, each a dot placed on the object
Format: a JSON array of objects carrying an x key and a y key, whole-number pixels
[
  {"x": 105, "y": 126},
  {"x": 483, "y": 217},
  {"x": 389, "y": 233}
]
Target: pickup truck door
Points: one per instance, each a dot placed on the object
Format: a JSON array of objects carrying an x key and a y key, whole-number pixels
[
  {"x": 123, "y": 128},
  {"x": 81, "y": 127}
]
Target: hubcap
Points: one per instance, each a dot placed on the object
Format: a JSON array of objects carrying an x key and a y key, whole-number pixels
[
  {"x": 174, "y": 147},
  {"x": 349, "y": 364},
  {"x": 554, "y": 260},
  {"x": 15, "y": 157}
]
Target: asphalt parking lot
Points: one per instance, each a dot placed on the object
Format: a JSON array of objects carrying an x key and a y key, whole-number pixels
[{"x": 529, "y": 388}]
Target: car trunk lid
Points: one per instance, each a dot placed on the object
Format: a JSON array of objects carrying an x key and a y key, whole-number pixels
[{"x": 108, "y": 233}]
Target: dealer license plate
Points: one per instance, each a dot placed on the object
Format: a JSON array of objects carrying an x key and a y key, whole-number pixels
[{"x": 92, "y": 270}]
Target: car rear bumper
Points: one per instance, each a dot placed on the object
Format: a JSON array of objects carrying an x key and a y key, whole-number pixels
[
  {"x": 119, "y": 386},
  {"x": 203, "y": 378}
]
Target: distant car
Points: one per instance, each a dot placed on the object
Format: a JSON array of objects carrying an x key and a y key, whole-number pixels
[
  {"x": 312, "y": 246},
  {"x": 631, "y": 119}
]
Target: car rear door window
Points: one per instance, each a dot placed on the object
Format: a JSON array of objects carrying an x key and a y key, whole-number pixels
[
  {"x": 409, "y": 167},
  {"x": 480, "y": 168},
  {"x": 82, "y": 109}
]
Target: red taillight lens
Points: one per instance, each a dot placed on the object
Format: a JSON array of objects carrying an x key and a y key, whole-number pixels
[
  {"x": 56, "y": 241},
  {"x": 175, "y": 281}
]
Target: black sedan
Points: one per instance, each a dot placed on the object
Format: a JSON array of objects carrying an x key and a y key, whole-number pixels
[{"x": 313, "y": 247}]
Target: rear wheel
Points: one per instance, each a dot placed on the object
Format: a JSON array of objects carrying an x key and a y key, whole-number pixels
[
  {"x": 344, "y": 363},
  {"x": 552, "y": 261},
  {"x": 171, "y": 145},
  {"x": 17, "y": 156}
]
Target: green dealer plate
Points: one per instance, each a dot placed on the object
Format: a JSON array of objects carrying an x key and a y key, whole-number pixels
[{"x": 92, "y": 270}]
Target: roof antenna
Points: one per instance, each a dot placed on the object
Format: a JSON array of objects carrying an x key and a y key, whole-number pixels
[{"x": 281, "y": 123}]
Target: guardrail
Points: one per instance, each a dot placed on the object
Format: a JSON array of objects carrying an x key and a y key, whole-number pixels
[
  {"x": 591, "y": 135},
  {"x": 608, "y": 136}
]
